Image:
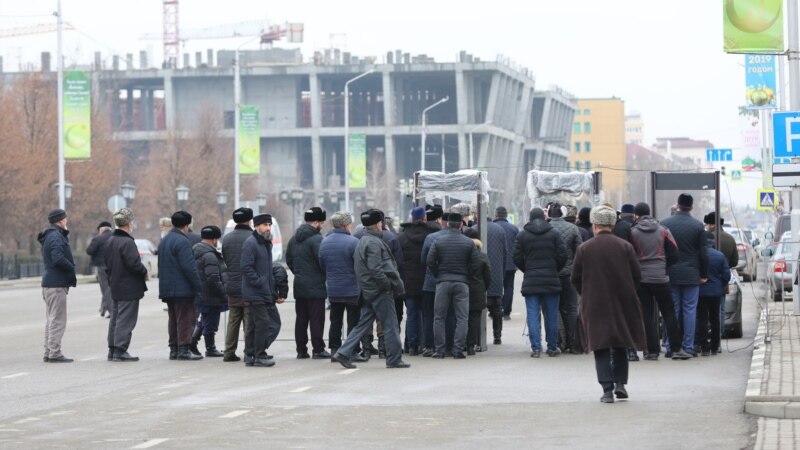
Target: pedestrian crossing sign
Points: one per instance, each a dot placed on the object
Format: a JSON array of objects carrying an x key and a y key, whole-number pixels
[
  {"x": 766, "y": 199},
  {"x": 736, "y": 174}
]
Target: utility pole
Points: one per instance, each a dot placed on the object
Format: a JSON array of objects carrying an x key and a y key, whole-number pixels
[
  {"x": 793, "y": 53},
  {"x": 62, "y": 193}
]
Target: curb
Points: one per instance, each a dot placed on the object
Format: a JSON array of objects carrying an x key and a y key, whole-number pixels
[{"x": 775, "y": 406}]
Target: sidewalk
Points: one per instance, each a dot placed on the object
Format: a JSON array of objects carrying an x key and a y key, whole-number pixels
[
  {"x": 36, "y": 281},
  {"x": 773, "y": 389}
]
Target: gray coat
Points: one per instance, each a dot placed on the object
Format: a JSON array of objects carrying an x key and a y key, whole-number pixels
[
  {"x": 376, "y": 269},
  {"x": 571, "y": 238},
  {"x": 498, "y": 255},
  {"x": 454, "y": 257},
  {"x": 690, "y": 237}
]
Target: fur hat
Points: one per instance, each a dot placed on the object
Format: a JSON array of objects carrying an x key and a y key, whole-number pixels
[
  {"x": 315, "y": 214},
  {"x": 572, "y": 211},
  {"x": 56, "y": 215},
  {"x": 464, "y": 209},
  {"x": 340, "y": 219},
  {"x": 583, "y": 214},
  {"x": 603, "y": 216},
  {"x": 123, "y": 217},
  {"x": 243, "y": 215},
  {"x": 641, "y": 209},
  {"x": 501, "y": 212},
  {"x": 181, "y": 219},
  {"x": 210, "y": 232},
  {"x": 104, "y": 224},
  {"x": 371, "y": 217},
  {"x": 417, "y": 214},
  {"x": 555, "y": 210},
  {"x": 710, "y": 219},
  {"x": 685, "y": 200},
  {"x": 434, "y": 212},
  {"x": 262, "y": 218},
  {"x": 626, "y": 209}
]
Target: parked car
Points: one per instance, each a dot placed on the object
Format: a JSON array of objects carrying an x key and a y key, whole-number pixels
[
  {"x": 733, "y": 308},
  {"x": 780, "y": 266},
  {"x": 782, "y": 224},
  {"x": 147, "y": 251},
  {"x": 277, "y": 240},
  {"x": 754, "y": 239},
  {"x": 748, "y": 260}
]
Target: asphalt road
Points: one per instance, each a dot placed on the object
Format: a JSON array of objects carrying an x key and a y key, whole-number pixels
[{"x": 501, "y": 398}]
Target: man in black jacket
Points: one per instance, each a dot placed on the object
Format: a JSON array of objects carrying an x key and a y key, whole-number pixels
[
  {"x": 411, "y": 240},
  {"x": 96, "y": 251},
  {"x": 622, "y": 229},
  {"x": 453, "y": 259},
  {"x": 126, "y": 275},
  {"x": 232, "y": 254},
  {"x": 59, "y": 276},
  {"x": 302, "y": 257},
  {"x": 511, "y": 230},
  {"x": 379, "y": 283},
  {"x": 211, "y": 301}
]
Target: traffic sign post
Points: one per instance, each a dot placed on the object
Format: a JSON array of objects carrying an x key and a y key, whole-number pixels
[{"x": 766, "y": 199}]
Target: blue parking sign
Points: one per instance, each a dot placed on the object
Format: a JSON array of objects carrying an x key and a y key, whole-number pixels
[{"x": 786, "y": 129}]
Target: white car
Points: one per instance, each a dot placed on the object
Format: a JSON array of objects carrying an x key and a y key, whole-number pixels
[{"x": 147, "y": 251}]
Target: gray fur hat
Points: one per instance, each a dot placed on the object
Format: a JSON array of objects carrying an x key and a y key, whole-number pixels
[
  {"x": 603, "y": 216},
  {"x": 123, "y": 217}
]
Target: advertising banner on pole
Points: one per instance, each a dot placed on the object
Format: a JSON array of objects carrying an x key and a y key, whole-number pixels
[
  {"x": 357, "y": 161},
  {"x": 753, "y": 26},
  {"x": 760, "y": 81},
  {"x": 249, "y": 140},
  {"x": 77, "y": 115}
]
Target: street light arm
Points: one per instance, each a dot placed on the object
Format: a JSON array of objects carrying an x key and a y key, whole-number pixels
[
  {"x": 347, "y": 137},
  {"x": 425, "y": 111}
]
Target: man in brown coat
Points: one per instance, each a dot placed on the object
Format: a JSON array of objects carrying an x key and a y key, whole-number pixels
[{"x": 606, "y": 273}]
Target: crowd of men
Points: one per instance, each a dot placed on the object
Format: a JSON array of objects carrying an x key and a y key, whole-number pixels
[{"x": 602, "y": 275}]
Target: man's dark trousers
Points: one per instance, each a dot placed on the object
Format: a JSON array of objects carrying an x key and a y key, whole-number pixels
[
  {"x": 124, "y": 315},
  {"x": 612, "y": 367},
  {"x": 182, "y": 319},
  {"x": 652, "y": 295},
  {"x": 310, "y": 314},
  {"x": 382, "y": 308}
]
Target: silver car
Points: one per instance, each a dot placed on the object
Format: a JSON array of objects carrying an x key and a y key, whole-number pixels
[
  {"x": 748, "y": 260},
  {"x": 780, "y": 266},
  {"x": 147, "y": 251},
  {"x": 733, "y": 308}
]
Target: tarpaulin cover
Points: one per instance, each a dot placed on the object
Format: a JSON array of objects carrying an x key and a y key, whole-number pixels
[
  {"x": 464, "y": 184},
  {"x": 545, "y": 186}
]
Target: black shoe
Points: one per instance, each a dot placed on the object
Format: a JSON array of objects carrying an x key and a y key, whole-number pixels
[
  {"x": 267, "y": 355},
  {"x": 693, "y": 353},
  {"x": 553, "y": 353},
  {"x": 173, "y": 353},
  {"x": 620, "y": 391},
  {"x": 358, "y": 357},
  {"x": 110, "y": 354},
  {"x": 124, "y": 357},
  {"x": 263, "y": 362},
  {"x": 651, "y": 357},
  {"x": 321, "y": 355},
  {"x": 459, "y": 355},
  {"x": 196, "y": 339},
  {"x": 343, "y": 360},
  {"x": 60, "y": 359},
  {"x": 608, "y": 397},
  {"x": 498, "y": 341},
  {"x": 438, "y": 356},
  {"x": 248, "y": 360},
  {"x": 413, "y": 351},
  {"x": 536, "y": 354},
  {"x": 705, "y": 353},
  {"x": 185, "y": 355},
  {"x": 303, "y": 356},
  {"x": 506, "y": 317},
  {"x": 471, "y": 351},
  {"x": 398, "y": 365},
  {"x": 211, "y": 348},
  {"x": 231, "y": 358},
  {"x": 428, "y": 352},
  {"x": 45, "y": 359},
  {"x": 668, "y": 355},
  {"x": 715, "y": 351},
  {"x": 632, "y": 355},
  {"x": 364, "y": 354}
]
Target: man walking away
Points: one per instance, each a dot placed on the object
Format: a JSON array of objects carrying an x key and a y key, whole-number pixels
[
  {"x": 258, "y": 293},
  {"x": 59, "y": 276},
  {"x": 126, "y": 275},
  {"x": 605, "y": 273},
  {"x": 656, "y": 251},
  {"x": 379, "y": 284},
  {"x": 453, "y": 258},
  {"x": 411, "y": 240},
  {"x": 302, "y": 257},
  {"x": 511, "y": 231},
  {"x": 497, "y": 252},
  {"x": 178, "y": 286},
  {"x": 691, "y": 270},
  {"x": 96, "y": 251},
  {"x": 212, "y": 271},
  {"x": 568, "y": 299},
  {"x": 436, "y": 222},
  {"x": 719, "y": 274}
]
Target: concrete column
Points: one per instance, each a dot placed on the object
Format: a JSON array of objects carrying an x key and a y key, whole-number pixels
[
  {"x": 316, "y": 105},
  {"x": 494, "y": 92},
  {"x": 463, "y": 151},
  {"x": 169, "y": 101},
  {"x": 462, "y": 110},
  {"x": 389, "y": 120},
  {"x": 525, "y": 108},
  {"x": 129, "y": 109},
  {"x": 544, "y": 127},
  {"x": 389, "y": 100},
  {"x": 318, "y": 174}
]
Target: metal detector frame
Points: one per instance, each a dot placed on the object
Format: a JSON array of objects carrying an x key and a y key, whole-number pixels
[{"x": 686, "y": 181}]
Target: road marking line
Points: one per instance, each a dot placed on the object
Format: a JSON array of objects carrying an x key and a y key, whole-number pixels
[
  {"x": 346, "y": 372},
  {"x": 88, "y": 359},
  {"x": 151, "y": 443},
  {"x": 300, "y": 389},
  {"x": 14, "y": 375},
  {"x": 9, "y": 430},
  {"x": 61, "y": 413},
  {"x": 233, "y": 414},
  {"x": 27, "y": 419},
  {"x": 163, "y": 393}
]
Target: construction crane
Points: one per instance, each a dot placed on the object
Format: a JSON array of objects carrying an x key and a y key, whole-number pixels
[{"x": 33, "y": 29}]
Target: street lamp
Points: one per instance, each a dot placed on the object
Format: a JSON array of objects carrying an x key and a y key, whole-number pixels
[
  {"x": 128, "y": 193},
  {"x": 471, "y": 151},
  {"x": 347, "y": 137},
  {"x": 183, "y": 195},
  {"x": 237, "y": 94},
  {"x": 261, "y": 201},
  {"x": 424, "y": 132},
  {"x": 222, "y": 200}
]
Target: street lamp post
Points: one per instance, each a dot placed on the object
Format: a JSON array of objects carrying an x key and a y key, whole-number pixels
[
  {"x": 261, "y": 201},
  {"x": 183, "y": 195},
  {"x": 222, "y": 201},
  {"x": 62, "y": 194},
  {"x": 128, "y": 193},
  {"x": 237, "y": 94},
  {"x": 471, "y": 151},
  {"x": 347, "y": 137},
  {"x": 424, "y": 132}
]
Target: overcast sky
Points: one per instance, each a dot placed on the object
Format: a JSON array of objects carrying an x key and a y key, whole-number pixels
[{"x": 664, "y": 59}]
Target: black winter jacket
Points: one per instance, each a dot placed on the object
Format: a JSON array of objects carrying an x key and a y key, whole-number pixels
[
  {"x": 376, "y": 269},
  {"x": 540, "y": 255},
  {"x": 411, "y": 240},
  {"x": 622, "y": 229},
  {"x": 122, "y": 263},
  {"x": 496, "y": 251},
  {"x": 232, "y": 245},
  {"x": 690, "y": 237},
  {"x": 453, "y": 257},
  {"x": 280, "y": 282},
  {"x": 177, "y": 274},
  {"x": 302, "y": 257},
  {"x": 212, "y": 271},
  {"x": 478, "y": 283},
  {"x": 257, "y": 271},
  {"x": 511, "y": 232},
  {"x": 59, "y": 267},
  {"x": 96, "y": 249}
]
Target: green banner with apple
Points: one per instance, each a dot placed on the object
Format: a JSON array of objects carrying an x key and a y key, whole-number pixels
[
  {"x": 357, "y": 161},
  {"x": 249, "y": 140},
  {"x": 753, "y": 26},
  {"x": 77, "y": 115}
]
